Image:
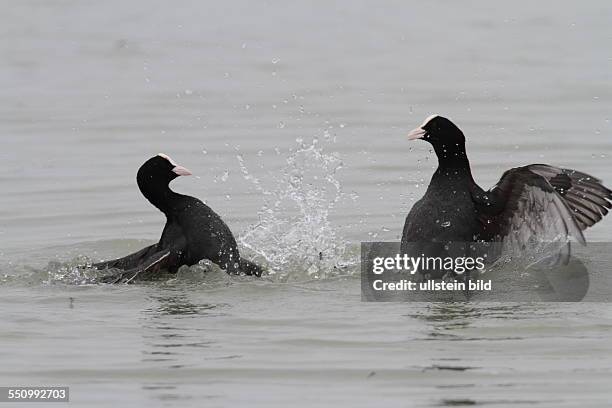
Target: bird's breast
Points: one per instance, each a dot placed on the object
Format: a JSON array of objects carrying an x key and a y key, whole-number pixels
[{"x": 442, "y": 216}]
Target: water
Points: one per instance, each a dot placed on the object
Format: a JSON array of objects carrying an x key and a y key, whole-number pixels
[{"x": 292, "y": 117}]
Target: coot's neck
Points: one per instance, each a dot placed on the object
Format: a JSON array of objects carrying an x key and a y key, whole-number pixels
[
  {"x": 158, "y": 194},
  {"x": 452, "y": 157}
]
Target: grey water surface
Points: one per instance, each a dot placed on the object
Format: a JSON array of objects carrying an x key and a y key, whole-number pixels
[{"x": 293, "y": 117}]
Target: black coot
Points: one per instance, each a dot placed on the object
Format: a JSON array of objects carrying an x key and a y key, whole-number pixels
[
  {"x": 193, "y": 231},
  {"x": 534, "y": 202}
]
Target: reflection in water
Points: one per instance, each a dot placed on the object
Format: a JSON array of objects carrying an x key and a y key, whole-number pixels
[
  {"x": 451, "y": 313},
  {"x": 445, "y": 321},
  {"x": 180, "y": 306},
  {"x": 170, "y": 335},
  {"x": 448, "y": 321},
  {"x": 457, "y": 402},
  {"x": 464, "y": 402},
  {"x": 165, "y": 328}
]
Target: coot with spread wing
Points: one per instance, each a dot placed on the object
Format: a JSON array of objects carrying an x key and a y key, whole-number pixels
[{"x": 537, "y": 201}]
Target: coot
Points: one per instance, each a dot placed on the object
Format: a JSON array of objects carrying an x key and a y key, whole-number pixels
[{"x": 193, "y": 231}]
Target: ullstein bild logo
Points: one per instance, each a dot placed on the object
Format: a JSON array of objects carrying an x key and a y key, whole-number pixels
[{"x": 426, "y": 272}]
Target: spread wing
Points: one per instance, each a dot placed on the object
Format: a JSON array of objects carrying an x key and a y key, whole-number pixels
[
  {"x": 130, "y": 261},
  {"x": 588, "y": 199},
  {"x": 147, "y": 270},
  {"x": 541, "y": 203}
]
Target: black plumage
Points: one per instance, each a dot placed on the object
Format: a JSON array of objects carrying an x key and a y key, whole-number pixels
[
  {"x": 537, "y": 202},
  {"x": 193, "y": 231}
]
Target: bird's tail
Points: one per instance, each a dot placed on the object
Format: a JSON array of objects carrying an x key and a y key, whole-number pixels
[{"x": 250, "y": 268}]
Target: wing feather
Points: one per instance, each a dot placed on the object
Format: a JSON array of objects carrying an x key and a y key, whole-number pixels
[{"x": 542, "y": 203}]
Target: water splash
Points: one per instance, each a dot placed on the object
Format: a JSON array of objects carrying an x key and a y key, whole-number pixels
[
  {"x": 79, "y": 271},
  {"x": 76, "y": 271},
  {"x": 294, "y": 237}
]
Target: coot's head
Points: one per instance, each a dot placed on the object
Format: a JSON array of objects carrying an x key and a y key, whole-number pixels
[
  {"x": 438, "y": 130},
  {"x": 446, "y": 138},
  {"x": 160, "y": 170}
]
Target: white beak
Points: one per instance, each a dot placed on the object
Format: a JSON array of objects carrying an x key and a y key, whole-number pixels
[
  {"x": 417, "y": 133},
  {"x": 181, "y": 171}
]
